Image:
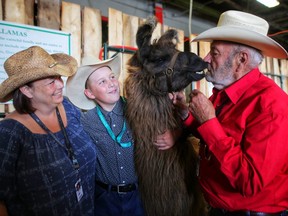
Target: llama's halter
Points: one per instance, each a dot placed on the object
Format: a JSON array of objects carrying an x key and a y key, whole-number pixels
[{"x": 168, "y": 72}]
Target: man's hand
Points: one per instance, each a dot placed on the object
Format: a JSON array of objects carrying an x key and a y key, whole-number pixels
[
  {"x": 201, "y": 107},
  {"x": 179, "y": 101}
]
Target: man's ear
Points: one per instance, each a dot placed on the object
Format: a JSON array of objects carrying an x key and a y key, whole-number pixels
[
  {"x": 242, "y": 58},
  {"x": 241, "y": 61},
  {"x": 89, "y": 94},
  {"x": 26, "y": 90}
]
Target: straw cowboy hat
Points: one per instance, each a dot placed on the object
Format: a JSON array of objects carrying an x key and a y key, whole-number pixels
[
  {"x": 244, "y": 28},
  {"x": 32, "y": 64},
  {"x": 75, "y": 84}
]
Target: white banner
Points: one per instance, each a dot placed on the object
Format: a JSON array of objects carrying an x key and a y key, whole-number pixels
[{"x": 15, "y": 37}]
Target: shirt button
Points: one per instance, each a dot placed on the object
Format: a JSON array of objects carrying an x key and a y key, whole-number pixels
[
  {"x": 121, "y": 167},
  {"x": 114, "y": 125},
  {"x": 119, "y": 153}
]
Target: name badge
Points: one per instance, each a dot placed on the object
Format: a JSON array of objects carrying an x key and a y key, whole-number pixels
[{"x": 79, "y": 190}]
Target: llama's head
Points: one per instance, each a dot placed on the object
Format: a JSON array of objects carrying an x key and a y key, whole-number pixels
[{"x": 163, "y": 67}]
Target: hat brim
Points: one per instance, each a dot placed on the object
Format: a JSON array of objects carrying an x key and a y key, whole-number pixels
[
  {"x": 66, "y": 66},
  {"x": 268, "y": 46},
  {"x": 75, "y": 84}
]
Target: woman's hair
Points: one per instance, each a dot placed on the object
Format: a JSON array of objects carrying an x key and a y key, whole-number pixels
[{"x": 22, "y": 103}]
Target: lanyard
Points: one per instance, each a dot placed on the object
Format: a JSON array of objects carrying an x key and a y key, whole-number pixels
[
  {"x": 110, "y": 132},
  {"x": 67, "y": 141}
]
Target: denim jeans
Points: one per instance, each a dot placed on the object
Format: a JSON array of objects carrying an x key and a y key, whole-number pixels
[{"x": 111, "y": 203}]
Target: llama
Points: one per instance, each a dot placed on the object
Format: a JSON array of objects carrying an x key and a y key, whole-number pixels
[{"x": 167, "y": 179}]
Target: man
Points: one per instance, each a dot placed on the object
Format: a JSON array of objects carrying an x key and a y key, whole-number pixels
[{"x": 243, "y": 165}]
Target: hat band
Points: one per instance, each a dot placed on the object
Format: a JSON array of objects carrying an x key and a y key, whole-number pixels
[{"x": 53, "y": 65}]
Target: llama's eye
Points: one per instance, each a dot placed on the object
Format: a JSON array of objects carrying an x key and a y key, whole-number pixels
[{"x": 158, "y": 60}]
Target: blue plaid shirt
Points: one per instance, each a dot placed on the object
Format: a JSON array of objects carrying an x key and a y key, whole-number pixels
[{"x": 115, "y": 164}]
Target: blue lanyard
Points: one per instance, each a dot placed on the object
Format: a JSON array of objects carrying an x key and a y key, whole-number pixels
[{"x": 110, "y": 132}]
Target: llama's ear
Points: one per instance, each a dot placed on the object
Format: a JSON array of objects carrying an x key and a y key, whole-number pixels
[
  {"x": 170, "y": 38},
  {"x": 144, "y": 33}
]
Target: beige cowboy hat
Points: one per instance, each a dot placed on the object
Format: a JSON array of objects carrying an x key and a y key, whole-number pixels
[
  {"x": 75, "y": 84},
  {"x": 244, "y": 28},
  {"x": 32, "y": 64}
]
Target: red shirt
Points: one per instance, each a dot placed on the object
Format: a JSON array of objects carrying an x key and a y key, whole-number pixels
[{"x": 245, "y": 163}]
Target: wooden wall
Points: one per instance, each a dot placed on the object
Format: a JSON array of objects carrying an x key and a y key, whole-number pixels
[{"x": 85, "y": 26}]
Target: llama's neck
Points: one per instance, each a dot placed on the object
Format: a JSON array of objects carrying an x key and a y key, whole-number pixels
[{"x": 148, "y": 115}]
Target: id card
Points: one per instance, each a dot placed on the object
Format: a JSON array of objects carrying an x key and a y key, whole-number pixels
[{"x": 79, "y": 190}]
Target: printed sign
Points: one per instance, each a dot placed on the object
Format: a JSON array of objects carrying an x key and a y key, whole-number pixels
[{"x": 16, "y": 37}]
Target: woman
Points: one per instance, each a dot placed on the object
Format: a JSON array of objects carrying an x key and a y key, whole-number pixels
[{"x": 47, "y": 160}]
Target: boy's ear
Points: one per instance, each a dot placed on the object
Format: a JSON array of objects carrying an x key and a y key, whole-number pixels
[{"x": 89, "y": 94}]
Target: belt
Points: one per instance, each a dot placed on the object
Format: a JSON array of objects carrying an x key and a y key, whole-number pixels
[
  {"x": 223, "y": 212},
  {"x": 121, "y": 188}
]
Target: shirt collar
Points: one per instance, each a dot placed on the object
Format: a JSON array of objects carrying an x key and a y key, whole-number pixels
[
  {"x": 237, "y": 89},
  {"x": 118, "y": 108}
]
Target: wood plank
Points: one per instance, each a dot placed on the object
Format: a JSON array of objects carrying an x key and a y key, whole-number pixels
[
  {"x": 165, "y": 28},
  {"x": 10, "y": 108},
  {"x": 18, "y": 16},
  {"x": 18, "y": 8},
  {"x": 180, "y": 47},
  {"x": 269, "y": 67},
  {"x": 180, "y": 44},
  {"x": 194, "y": 46},
  {"x": 115, "y": 35},
  {"x": 276, "y": 71},
  {"x": 1, "y": 10},
  {"x": 91, "y": 35},
  {"x": 157, "y": 32},
  {"x": 71, "y": 23},
  {"x": 284, "y": 72},
  {"x": 115, "y": 29},
  {"x": 29, "y": 12},
  {"x": 262, "y": 66},
  {"x": 49, "y": 14},
  {"x": 130, "y": 27},
  {"x": 23, "y": 11},
  {"x": 142, "y": 21},
  {"x": 2, "y": 112},
  {"x": 204, "y": 86}
]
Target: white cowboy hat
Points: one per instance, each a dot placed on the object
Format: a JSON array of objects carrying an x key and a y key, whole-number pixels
[
  {"x": 244, "y": 28},
  {"x": 32, "y": 64},
  {"x": 75, "y": 84}
]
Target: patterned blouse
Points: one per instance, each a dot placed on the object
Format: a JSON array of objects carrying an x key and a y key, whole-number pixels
[{"x": 36, "y": 174}]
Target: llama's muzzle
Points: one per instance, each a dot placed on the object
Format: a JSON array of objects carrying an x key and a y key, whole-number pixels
[{"x": 203, "y": 72}]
